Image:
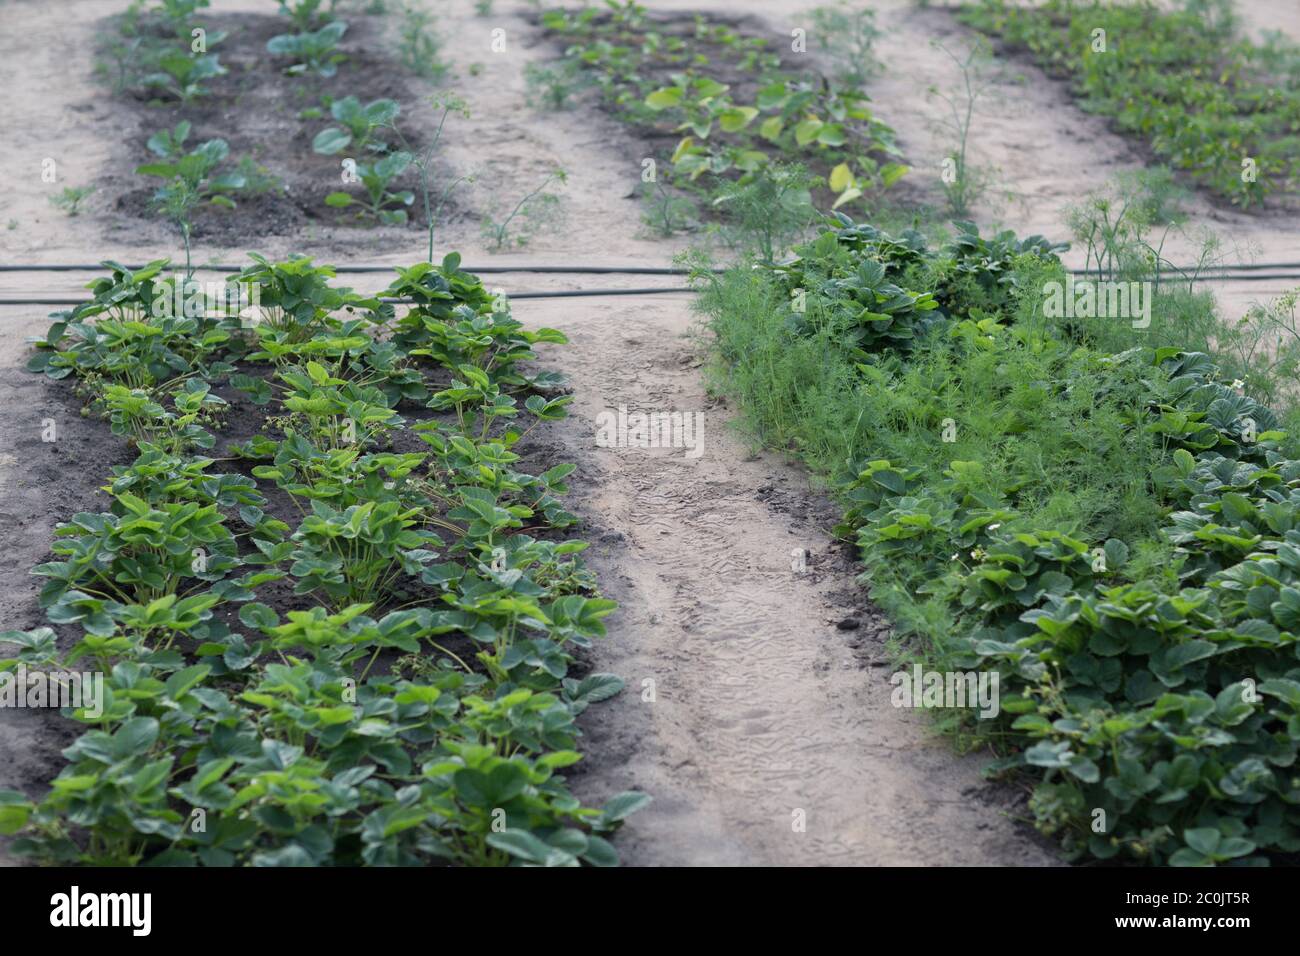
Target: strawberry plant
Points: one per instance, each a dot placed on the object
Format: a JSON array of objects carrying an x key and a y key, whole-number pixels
[
  {"x": 336, "y": 411},
  {"x": 134, "y": 414},
  {"x": 359, "y": 552},
  {"x": 139, "y": 552},
  {"x": 295, "y": 298},
  {"x": 135, "y": 339}
]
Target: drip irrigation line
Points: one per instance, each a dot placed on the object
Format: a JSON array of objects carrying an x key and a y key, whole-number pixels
[
  {"x": 484, "y": 270},
  {"x": 589, "y": 293},
  {"x": 1262, "y": 270},
  {"x": 560, "y": 294}
]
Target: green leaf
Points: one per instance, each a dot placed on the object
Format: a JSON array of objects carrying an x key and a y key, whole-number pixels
[
  {"x": 665, "y": 98},
  {"x": 840, "y": 177},
  {"x": 135, "y": 737},
  {"x": 737, "y": 118},
  {"x": 255, "y": 614},
  {"x": 1204, "y": 840},
  {"x": 623, "y": 805},
  {"x": 770, "y": 129},
  {"x": 331, "y": 141},
  {"x": 15, "y": 810},
  {"x": 181, "y": 681},
  {"x": 521, "y": 844},
  {"x": 807, "y": 131}
]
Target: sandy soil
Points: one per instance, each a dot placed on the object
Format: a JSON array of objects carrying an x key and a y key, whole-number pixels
[
  {"x": 770, "y": 686},
  {"x": 764, "y": 704}
]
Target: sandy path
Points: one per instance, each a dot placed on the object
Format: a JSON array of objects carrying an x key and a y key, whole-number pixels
[{"x": 763, "y": 706}]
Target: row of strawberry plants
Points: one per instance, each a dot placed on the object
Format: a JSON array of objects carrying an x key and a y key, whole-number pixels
[
  {"x": 1115, "y": 535},
  {"x": 410, "y": 701},
  {"x": 1207, "y": 99}
]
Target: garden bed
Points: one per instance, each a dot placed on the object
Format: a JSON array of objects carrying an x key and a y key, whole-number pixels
[{"x": 269, "y": 120}]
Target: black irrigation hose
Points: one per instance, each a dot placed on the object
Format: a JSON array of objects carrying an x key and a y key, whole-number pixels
[
  {"x": 485, "y": 270},
  {"x": 585, "y": 293},
  {"x": 562, "y": 294},
  {"x": 1216, "y": 272}
]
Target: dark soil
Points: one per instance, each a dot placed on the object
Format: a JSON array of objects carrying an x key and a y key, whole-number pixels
[
  {"x": 70, "y": 474},
  {"x": 60, "y": 478},
  {"x": 255, "y": 107}
]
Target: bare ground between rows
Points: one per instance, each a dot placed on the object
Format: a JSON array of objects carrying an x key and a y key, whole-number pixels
[{"x": 770, "y": 687}]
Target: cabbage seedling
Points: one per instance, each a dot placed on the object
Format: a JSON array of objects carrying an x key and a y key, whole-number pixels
[
  {"x": 359, "y": 125},
  {"x": 315, "y": 51},
  {"x": 183, "y": 75}
]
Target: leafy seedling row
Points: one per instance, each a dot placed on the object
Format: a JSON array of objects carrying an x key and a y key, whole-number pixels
[
  {"x": 732, "y": 122},
  {"x": 319, "y": 648},
  {"x": 268, "y": 124}
]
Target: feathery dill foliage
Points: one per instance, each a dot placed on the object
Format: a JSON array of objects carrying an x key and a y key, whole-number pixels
[{"x": 1115, "y": 532}]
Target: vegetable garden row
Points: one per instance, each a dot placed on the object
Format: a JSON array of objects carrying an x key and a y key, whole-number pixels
[
  {"x": 275, "y": 731},
  {"x": 1114, "y": 532}
]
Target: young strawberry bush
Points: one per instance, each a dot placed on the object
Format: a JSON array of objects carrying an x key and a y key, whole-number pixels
[
  {"x": 1115, "y": 534},
  {"x": 424, "y": 710}
]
